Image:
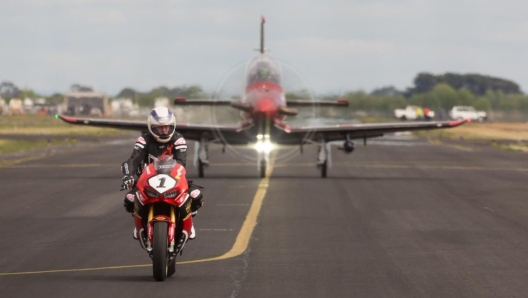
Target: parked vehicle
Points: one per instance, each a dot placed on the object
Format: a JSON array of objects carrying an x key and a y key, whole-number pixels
[
  {"x": 412, "y": 113},
  {"x": 467, "y": 112}
]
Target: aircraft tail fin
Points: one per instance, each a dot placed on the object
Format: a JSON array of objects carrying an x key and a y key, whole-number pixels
[{"x": 262, "y": 22}]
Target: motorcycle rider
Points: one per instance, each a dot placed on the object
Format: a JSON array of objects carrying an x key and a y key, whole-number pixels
[{"x": 161, "y": 140}]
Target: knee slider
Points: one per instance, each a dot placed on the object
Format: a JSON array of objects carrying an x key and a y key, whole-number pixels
[{"x": 197, "y": 199}]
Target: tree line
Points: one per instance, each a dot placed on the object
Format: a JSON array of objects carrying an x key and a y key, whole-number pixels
[
  {"x": 9, "y": 90},
  {"x": 443, "y": 92},
  {"x": 147, "y": 99},
  {"x": 432, "y": 91}
]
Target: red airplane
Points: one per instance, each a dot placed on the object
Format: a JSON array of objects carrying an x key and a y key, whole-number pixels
[{"x": 264, "y": 108}]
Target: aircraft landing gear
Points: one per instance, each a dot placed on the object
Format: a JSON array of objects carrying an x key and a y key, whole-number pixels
[
  {"x": 201, "y": 167},
  {"x": 201, "y": 156},
  {"x": 323, "y": 157},
  {"x": 263, "y": 168}
]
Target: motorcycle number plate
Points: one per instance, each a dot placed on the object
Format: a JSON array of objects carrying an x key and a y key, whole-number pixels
[{"x": 161, "y": 183}]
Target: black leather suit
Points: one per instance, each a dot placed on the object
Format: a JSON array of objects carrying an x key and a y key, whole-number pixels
[{"x": 145, "y": 149}]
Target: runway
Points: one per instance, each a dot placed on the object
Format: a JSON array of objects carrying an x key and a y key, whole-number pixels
[{"x": 394, "y": 219}]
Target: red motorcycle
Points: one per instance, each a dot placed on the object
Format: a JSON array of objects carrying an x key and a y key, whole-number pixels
[{"x": 164, "y": 212}]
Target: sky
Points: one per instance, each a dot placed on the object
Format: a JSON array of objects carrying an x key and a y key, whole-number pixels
[{"x": 335, "y": 46}]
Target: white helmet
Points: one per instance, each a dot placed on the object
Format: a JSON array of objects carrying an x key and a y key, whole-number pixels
[{"x": 161, "y": 116}]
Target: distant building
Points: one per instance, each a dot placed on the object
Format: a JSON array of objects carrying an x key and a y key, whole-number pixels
[
  {"x": 86, "y": 103},
  {"x": 41, "y": 107},
  {"x": 16, "y": 107},
  {"x": 124, "y": 107},
  {"x": 2, "y": 106},
  {"x": 28, "y": 105}
]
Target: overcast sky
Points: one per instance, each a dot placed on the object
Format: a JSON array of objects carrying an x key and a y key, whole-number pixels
[{"x": 336, "y": 45}]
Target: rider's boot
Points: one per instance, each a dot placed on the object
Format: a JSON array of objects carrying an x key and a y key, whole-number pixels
[
  {"x": 193, "y": 233},
  {"x": 135, "y": 234}
]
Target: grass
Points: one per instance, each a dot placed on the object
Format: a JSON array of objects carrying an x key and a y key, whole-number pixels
[
  {"x": 503, "y": 136},
  {"x": 517, "y": 133},
  {"x": 483, "y": 131},
  {"x": 48, "y": 125},
  {"x": 10, "y": 146},
  {"x": 45, "y": 126}
]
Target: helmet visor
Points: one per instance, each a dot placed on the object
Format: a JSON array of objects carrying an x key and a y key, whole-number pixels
[{"x": 163, "y": 131}]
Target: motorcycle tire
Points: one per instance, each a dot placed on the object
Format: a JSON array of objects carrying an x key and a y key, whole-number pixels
[{"x": 159, "y": 251}]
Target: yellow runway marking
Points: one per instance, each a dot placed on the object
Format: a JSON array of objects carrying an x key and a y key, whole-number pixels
[
  {"x": 13, "y": 164},
  {"x": 406, "y": 166},
  {"x": 361, "y": 165},
  {"x": 73, "y": 165},
  {"x": 74, "y": 270},
  {"x": 458, "y": 147},
  {"x": 241, "y": 242},
  {"x": 10, "y": 163}
]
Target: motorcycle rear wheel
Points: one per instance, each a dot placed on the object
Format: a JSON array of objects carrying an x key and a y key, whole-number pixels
[{"x": 159, "y": 251}]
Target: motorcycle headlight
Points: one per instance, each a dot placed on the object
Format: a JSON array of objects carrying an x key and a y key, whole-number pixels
[
  {"x": 151, "y": 193},
  {"x": 171, "y": 194}
]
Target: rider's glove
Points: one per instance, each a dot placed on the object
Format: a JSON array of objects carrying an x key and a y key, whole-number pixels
[
  {"x": 129, "y": 206},
  {"x": 129, "y": 202},
  {"x": 128, "y": 181},
  {"x": 196, "y": 204}
]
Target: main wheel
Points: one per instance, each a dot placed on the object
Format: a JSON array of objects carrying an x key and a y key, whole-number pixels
[
  {"x": 159, "y": 250},
  {"x": 262, "y": 168},
  {"x": 324, "y": 168},
  {"x": 200, "y": 168}
]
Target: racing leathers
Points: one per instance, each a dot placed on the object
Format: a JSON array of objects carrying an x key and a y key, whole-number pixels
[{"x": 145, "y": 150}]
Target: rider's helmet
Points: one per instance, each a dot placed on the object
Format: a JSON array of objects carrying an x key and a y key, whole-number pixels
[{"x": 161, "y": 124}]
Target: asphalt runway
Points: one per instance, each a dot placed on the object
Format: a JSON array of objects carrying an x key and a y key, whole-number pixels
[{"x": 398, "y": 218}]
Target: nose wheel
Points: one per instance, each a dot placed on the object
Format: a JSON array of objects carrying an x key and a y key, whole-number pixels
[
  {"x": 201, "y": 167},
  {"x": 201, "y": 156},
  {"x": 263, "y": 164},
  {"x": 323, "y": 157},
  {"x": 324, "y": 168},
  {"x": 264, "y": 142}
]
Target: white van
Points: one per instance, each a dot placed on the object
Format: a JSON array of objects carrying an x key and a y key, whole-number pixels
[{"x": 465, "y": 112}]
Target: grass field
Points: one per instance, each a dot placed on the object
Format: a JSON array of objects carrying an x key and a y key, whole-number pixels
[
  {"x": 10, "y": 146},
  {"x": 44, "y": 126},
  {"x": 47, "y": 125},
  {"x": 513, "y": 136},
  {"x": 484, "y": 131}
]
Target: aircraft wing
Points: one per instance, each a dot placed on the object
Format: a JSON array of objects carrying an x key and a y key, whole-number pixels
[
  {"x": 361, "y": 131},
  {"x": 201, "y": 102},
  {"x": 308, "y": 103},
  {"x": 229, "y": 134}
]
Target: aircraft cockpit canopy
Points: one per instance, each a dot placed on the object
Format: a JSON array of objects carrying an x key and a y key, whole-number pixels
[{"x": 263, "y": 69}]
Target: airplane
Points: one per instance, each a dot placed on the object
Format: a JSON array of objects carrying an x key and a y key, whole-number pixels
[{"x": 264, "y": 107}]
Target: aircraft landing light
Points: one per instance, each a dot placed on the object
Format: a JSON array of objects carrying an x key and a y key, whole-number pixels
[{"x": 264, "y": 144}]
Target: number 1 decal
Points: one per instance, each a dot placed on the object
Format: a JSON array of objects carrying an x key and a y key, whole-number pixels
[{"x": 162, "y": 182}]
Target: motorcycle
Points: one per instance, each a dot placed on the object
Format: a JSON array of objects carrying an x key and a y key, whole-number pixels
[{"x": 162, "y": 195}]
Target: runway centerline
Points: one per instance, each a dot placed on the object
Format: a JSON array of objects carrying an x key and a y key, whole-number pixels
[{"x": 240, "y": 245}]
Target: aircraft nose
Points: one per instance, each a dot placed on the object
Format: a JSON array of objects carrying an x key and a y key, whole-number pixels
[{"x": 265, "y": 106}]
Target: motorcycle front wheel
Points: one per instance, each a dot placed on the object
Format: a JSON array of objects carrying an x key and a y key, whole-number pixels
[{"x": 159, "y": 251}]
